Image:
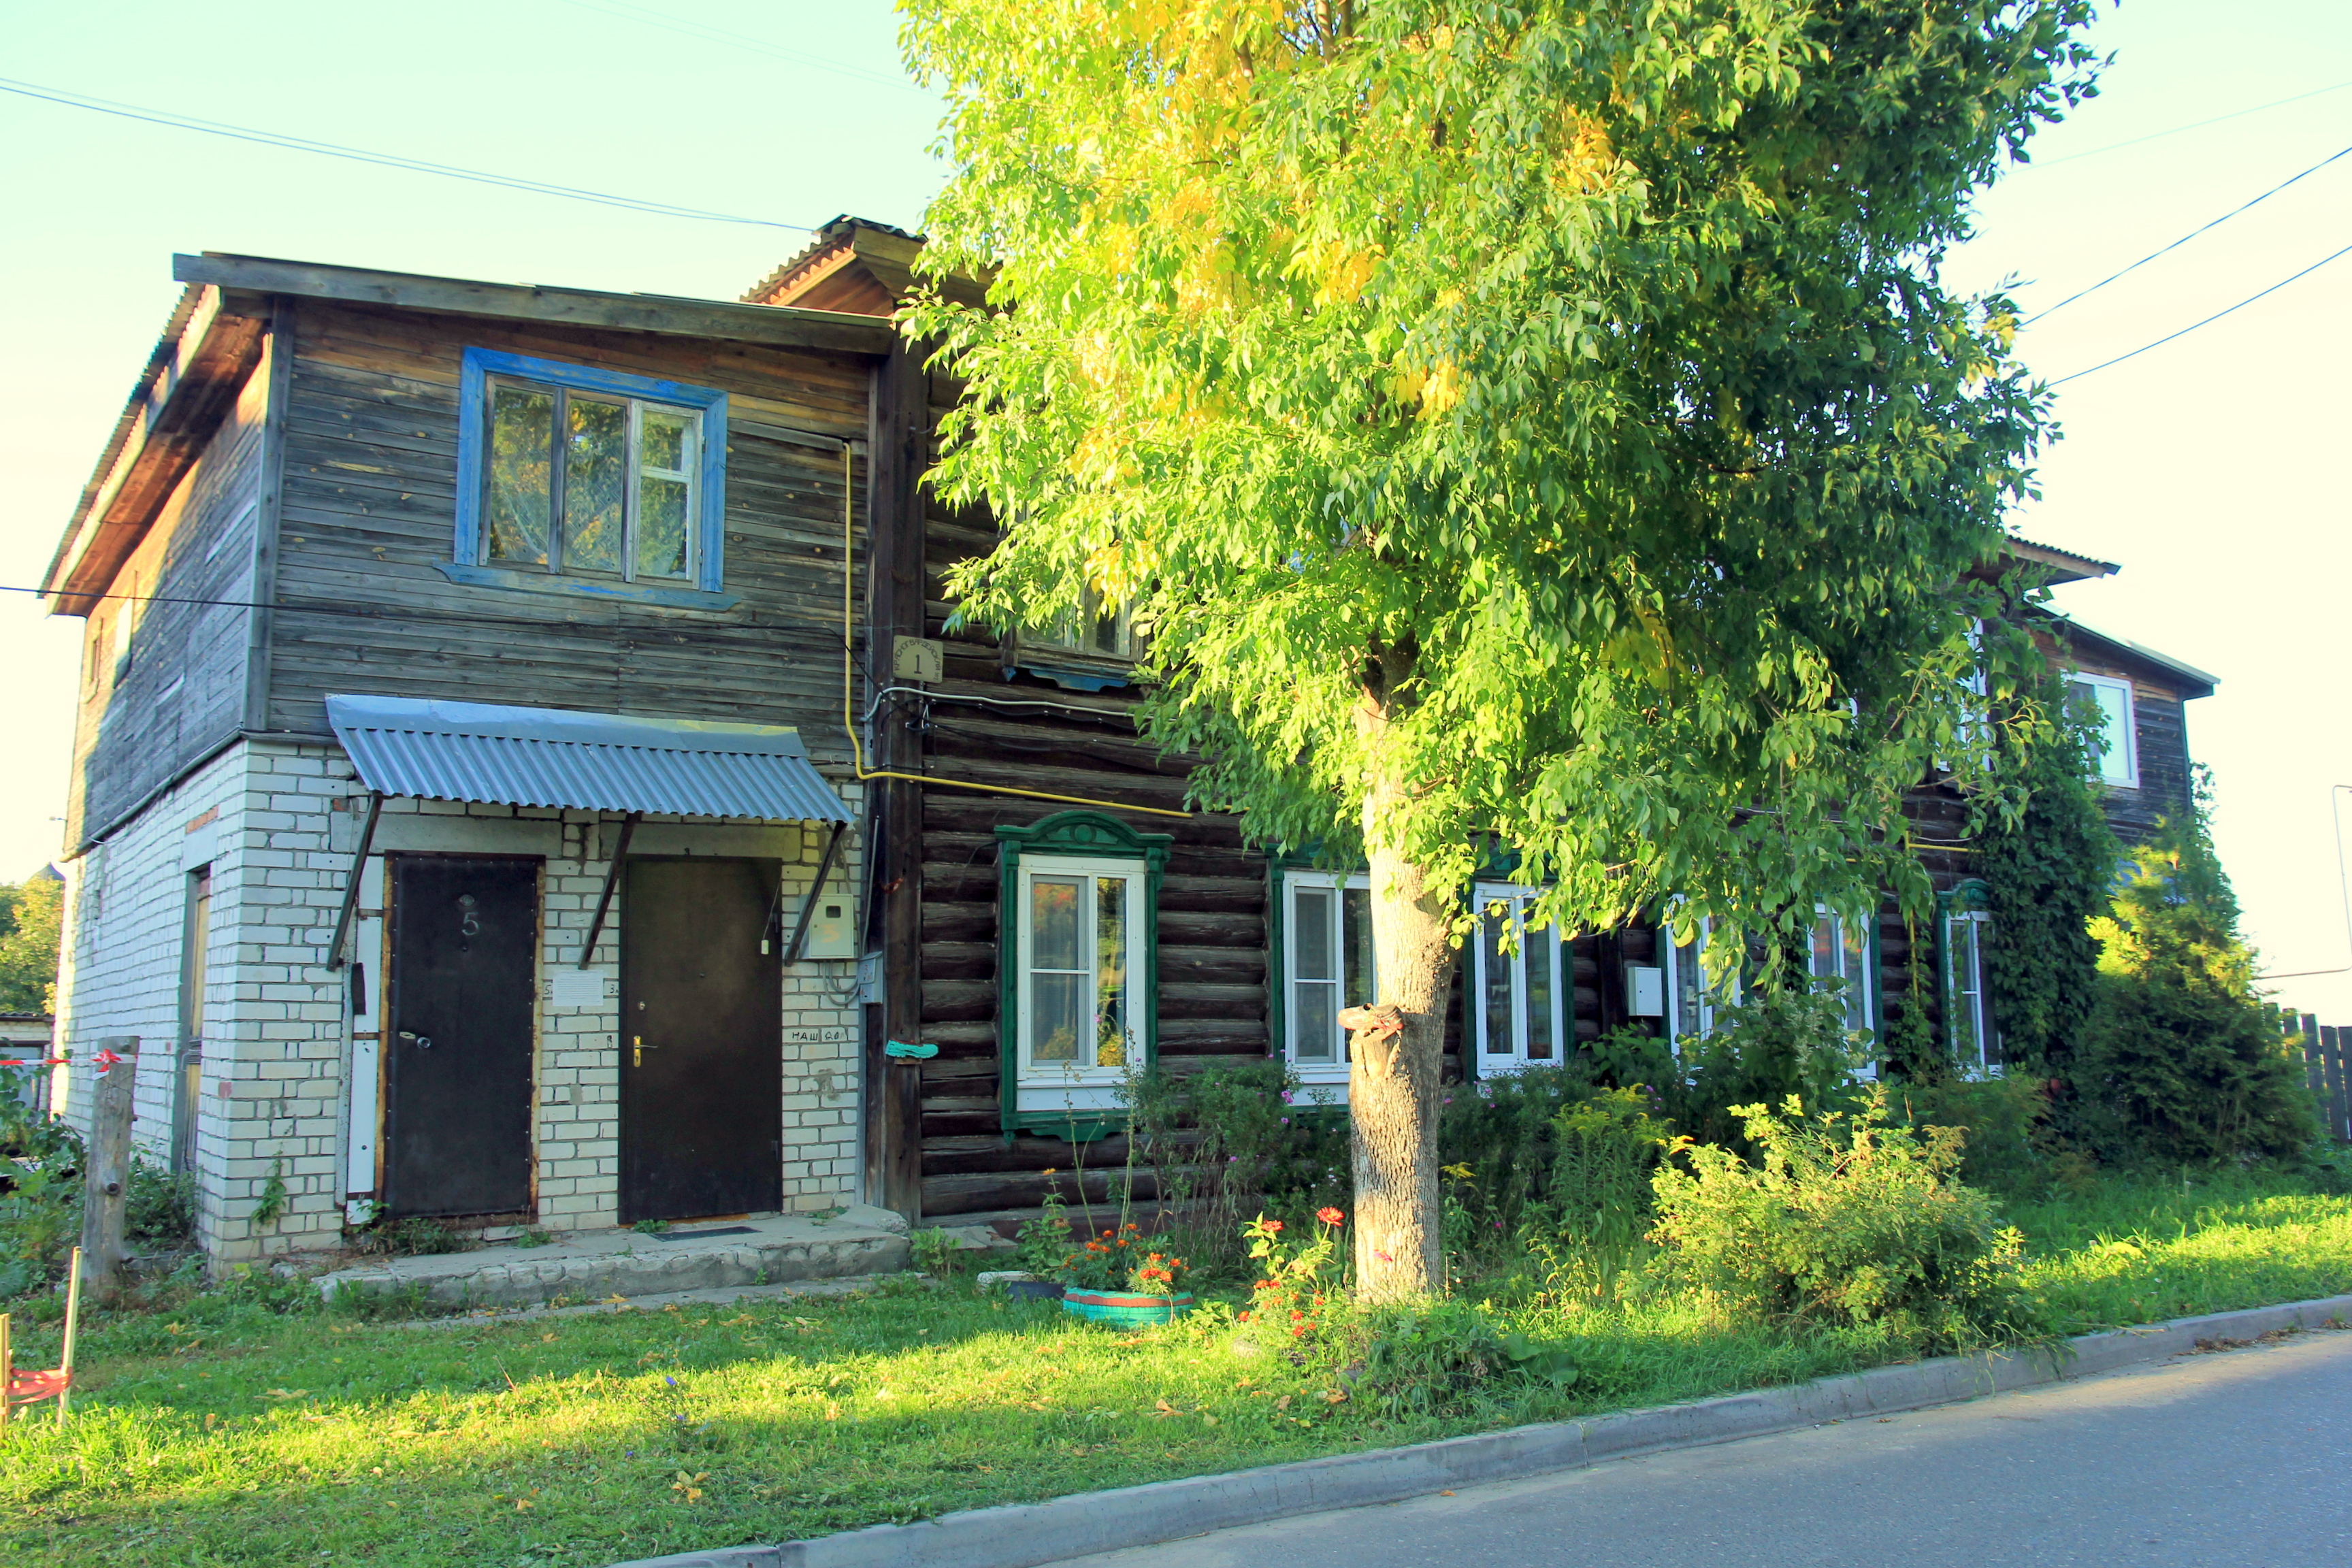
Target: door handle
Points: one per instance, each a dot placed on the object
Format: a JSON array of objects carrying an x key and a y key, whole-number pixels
[
  {"x": 421, "y": 1042},
  {"x": 637, "y": 1050}
]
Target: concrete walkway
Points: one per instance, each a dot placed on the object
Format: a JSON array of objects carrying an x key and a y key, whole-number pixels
[
  {"x": 2236, "y": 1459},
  {"x": 594, "y": 1265}
]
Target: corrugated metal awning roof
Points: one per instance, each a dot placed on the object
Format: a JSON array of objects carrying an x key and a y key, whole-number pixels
[{"x": 594, "y": 761}]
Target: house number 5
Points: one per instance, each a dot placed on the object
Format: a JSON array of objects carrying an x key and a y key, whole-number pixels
[{"x": 466, "y": 924}]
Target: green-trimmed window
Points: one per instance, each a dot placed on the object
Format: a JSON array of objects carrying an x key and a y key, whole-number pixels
[{"x": 1077, "y": 951}]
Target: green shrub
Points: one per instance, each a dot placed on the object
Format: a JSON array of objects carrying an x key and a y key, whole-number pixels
[
  {"x": 1497, "y": 1139},
  {"x": 2008, "y": 1149},
  {"x": 2183, "y": 1062},
  {"x": 1443, "y": 1357},
  {"x": 1844, "y": 1220},
  {"x": 1772, "y": 1045}
]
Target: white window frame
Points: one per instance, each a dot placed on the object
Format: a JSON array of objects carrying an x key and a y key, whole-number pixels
[
  {"x": 1970, "y": 999},
  {"x": 1055, "y": 1086},
  {"x": 1852, "y": 963},
  {"x": 636, "y": 470},
  {"x": 2105, "y": 770},
  {"x": 1335, "y": 1069},
  {"x": 1679, "y": 959},
  {"x": 1563, "y": 1000}
]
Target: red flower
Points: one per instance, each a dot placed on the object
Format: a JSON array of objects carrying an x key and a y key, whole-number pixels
[
  {"x": 1273, "y": 1225},
  {"x": 1330, "y": 1216}
]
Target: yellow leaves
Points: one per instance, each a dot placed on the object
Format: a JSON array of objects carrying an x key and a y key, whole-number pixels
[
  {"x": 1443, "y": 390},
  {"x": 1587, "y": 160},
  {"x": 1436, "y": 389},
  {"x": 284, "y": 1394},
  {"x": 1339, "y": 272},
  {"x": 690, "y": 1486}
]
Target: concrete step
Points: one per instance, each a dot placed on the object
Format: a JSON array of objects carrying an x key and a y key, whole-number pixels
[{"x": 596, "y": 1266}]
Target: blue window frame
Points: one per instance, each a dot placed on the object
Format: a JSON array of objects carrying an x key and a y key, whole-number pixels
[{"x": 572, "y": 478}]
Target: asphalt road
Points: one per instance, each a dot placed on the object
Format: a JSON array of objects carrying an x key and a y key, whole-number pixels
[{"x": 2237, "y": 1459}]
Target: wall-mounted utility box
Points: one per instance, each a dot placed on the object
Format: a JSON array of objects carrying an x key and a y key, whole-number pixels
[
  {"x": 1645, "y": 991},
  {"x": 831, "y": 931}
]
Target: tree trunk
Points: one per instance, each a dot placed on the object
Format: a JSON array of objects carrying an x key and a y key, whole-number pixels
[{"x": 1395, "y": 1059}]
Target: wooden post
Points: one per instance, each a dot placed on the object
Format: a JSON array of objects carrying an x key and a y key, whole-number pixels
[
  {"x": 2339, "y": 1103},
  {"x": 106, "y": 1177},
  {"x": 73, "y": 1327},
  {"x": 2304, "y": 1030},
  {"x": 899, "y": 452}
]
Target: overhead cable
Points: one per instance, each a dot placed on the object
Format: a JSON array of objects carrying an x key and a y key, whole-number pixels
[
  {"x": 2177, "y": 129},
  {"x": 383, "y": 160},
  {"x": 2208, "y": 322},
  {"x": 2182, "y": 240}
]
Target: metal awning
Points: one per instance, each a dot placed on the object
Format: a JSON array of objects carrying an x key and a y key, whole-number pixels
[{"x": 593, "y": 762}]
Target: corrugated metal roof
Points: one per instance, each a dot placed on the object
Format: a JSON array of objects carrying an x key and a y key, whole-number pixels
[{"x": 594, "y": 761}]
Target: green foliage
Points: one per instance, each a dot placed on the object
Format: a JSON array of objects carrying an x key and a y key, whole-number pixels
[
  {"x": 160, "y": 1210},
  {"x": 1770, "y": 1047},
  {"x": 1497, "y": 1139},
  {"x": 2183, "y": 1062},
  {"x": 31, "y": 917},
  {"x": 1297, "y": 1281},
  {"x": 1845, "y": 1220},
  {"x": 935, "y": 1251},
  {"x": 2011, "y": 1147},
  {"x": 1102, "y": 1261},
  {"x": 1552, "y": 412},
  {"x": 2047, "y": 873},
  {"x": 415, "y": 1236},
  {"x": 1421, "y": 1358},
  {"x": 1235, "y": 1139},
  {"x": 1044, "y": 1241},
  {"x": 1605, "y": 1148},
  {"x": 271, "y": 1206}
]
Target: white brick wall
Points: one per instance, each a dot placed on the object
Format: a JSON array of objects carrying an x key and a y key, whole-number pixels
[{"x": 279, "y": 1051}]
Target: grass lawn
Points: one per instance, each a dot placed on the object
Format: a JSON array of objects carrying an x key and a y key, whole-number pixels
[{"x": 230, "y": 1432}]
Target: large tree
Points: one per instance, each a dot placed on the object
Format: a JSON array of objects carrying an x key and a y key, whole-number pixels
[{"x": 1531, "y": 434}]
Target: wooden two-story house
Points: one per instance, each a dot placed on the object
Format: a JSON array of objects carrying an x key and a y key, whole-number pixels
[
  {"x": 1033, "y": 825},
  {"x": 462, "y": 816}
]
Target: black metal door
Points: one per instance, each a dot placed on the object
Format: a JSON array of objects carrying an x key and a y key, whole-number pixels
[
  {"x": 702, "y": 1039},
  {"x": 458, "y": 1046}
]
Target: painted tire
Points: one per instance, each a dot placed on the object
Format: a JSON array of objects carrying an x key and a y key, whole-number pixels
[{"x": 1124, "y": 1310}]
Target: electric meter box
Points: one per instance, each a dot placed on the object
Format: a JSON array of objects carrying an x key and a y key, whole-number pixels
[
  {"x": 1645, "y": 991},
  {"x": 833, "y": 924}
]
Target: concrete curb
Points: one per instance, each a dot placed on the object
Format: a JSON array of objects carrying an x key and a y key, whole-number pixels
[{"x": 1025, "y": 1536}]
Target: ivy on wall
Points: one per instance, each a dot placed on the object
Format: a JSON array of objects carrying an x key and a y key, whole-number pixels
[{"x": 2048, "y": 873}]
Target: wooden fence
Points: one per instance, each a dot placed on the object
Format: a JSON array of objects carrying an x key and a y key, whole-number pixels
[{"x": 2325, "y": 1049}]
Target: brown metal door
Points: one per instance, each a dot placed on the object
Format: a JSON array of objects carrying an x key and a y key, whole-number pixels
[
  {"x": 702, "y": 1039},
  {"x": 458, "y": 1046}
]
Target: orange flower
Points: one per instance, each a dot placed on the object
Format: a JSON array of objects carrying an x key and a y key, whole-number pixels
[
  {"x": 1330, "y": 1215},
  {"x": 1273, "y": 1225}
]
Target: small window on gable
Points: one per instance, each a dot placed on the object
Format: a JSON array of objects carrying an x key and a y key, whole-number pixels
[
  {"x": 2115, "y": 753},
  {"x": 1326, "y": 968},
  {"x": 1522, "y": 1013},
  {"x": 576, "y": 476},
  {"x": 1692, "y": 999}
]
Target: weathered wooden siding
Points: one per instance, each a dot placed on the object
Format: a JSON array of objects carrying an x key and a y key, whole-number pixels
[
  {"x": 2160, "y": 729},
  {"x": 371, "y": 508},
  {"x": 164, "y": 666}
]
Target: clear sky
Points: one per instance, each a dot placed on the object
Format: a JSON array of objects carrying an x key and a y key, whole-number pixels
[{"x": 2212, "y": 468}]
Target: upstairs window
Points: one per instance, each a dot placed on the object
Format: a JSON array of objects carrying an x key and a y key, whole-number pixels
[
  {"x": 590, "y": 476},
  {"x": 1098, "y": 630},
  {"x": 1326, "y": 968},
  {"x": 2114, "y": 755},
  {"x": 1523, "y": 1015}
]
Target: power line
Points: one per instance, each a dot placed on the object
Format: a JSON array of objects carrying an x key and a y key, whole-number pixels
[
  {"x": 621, "y": 10},
  {"x": 385, "y": 160},
  {"x": 2177, "y": 129},
  {"x": 2207, "y": 321},
  {"x": 2182, "y": 240}
]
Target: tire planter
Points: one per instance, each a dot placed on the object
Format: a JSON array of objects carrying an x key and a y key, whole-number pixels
[{"x": 1123, "y": 1309}]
